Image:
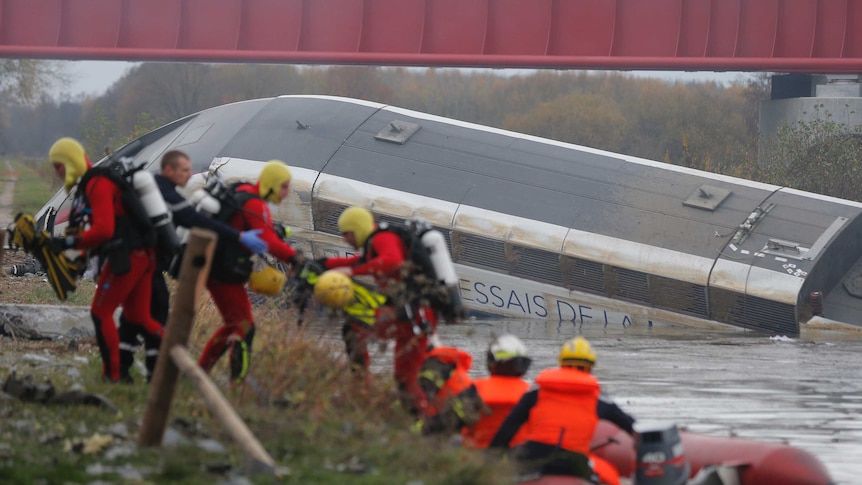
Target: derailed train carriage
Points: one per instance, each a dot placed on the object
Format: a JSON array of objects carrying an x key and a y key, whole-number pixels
[{"x": 541, "y": 229}]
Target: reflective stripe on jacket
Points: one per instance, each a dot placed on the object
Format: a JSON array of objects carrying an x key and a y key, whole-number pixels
[
  {"x": 565, "y": 412},
  {"x": 500, "y": 394}
]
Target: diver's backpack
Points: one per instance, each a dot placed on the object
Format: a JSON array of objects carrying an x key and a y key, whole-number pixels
[
  {"x": 222, "y": 201},
  {"x": 147, "y": 221},
  {"x": 430, "y": 275},
  {"x": 141, "y": 231},
  {"x": 229, "y": 200}
]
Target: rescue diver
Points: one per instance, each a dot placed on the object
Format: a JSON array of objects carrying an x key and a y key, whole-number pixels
[
  {"x": 103, "y": 220},
  {"x": 176, "y": 169},
  {"x": 507, "y": 362},
  {"x": 228, "y": 277},
  {"x": 453, "y": 400},
  {"x": 383, "y": 256},
  {"x": 560, "y": 416}
]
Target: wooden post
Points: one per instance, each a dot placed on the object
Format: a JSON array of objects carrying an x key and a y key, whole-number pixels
[
  {"x": 221, "y": 408},
  {"x": 2, "y": 245},
  {"x": 193, "y": 276}
]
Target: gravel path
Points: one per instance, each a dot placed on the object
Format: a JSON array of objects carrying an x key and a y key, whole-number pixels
[{"x": 8, "y": 178}]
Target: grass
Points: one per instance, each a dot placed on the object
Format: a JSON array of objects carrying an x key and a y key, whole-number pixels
[
  {"x": 36, "y": 291},
  {"x": 318, "y": 421},
  {"x": 35, "y": 184}
]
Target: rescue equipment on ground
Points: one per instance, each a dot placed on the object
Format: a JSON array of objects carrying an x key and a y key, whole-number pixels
[
  {"x": 334, "y": 289},
  {"x": 61, "y": 272}
]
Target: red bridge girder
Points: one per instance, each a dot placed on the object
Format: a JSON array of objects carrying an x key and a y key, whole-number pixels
[{"x": 822, "y": 36}]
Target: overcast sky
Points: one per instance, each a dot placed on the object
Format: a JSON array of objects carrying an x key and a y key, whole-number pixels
[{"x": 95, "y": 77}]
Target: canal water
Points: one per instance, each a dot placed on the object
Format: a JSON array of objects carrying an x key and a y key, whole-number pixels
[{"x": 804, "y": 392}]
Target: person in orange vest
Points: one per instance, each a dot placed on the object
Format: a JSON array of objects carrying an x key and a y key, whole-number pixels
[
  {"x": 452, "y": 400},
  {"x": 507, "y": 363},
  {"x": 560, "y": 416}
]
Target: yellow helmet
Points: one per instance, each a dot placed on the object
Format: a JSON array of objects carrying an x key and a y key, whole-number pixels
[
  {"x": 334, "y": 289},
  {"x": 577, "y": 352},
  {"x": 70, "y": 153},
  {"x": 274, "y": 173},
  {"x": 267, "y": 280},
  {"x": 359, "y": 221}
]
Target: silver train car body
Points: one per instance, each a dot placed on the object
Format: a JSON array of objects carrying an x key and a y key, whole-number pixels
[{"x": 540, "y": 229}]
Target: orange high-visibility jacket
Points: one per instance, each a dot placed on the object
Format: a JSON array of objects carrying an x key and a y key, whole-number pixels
[
  {"x": 500, "y": 394},
  {"x": 565, "y": 412},
  {"x": 458, "y": 380}
]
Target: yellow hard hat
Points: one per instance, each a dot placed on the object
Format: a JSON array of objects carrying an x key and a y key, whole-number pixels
[
  {"x": 334, "y": 289},
  {"x": 70, "y": 153},
  {"x": 577, "y": 351},
  {"x": 359, "y": 221},
  {"x": 274, "y": 173},
  {"x": 267, "y": 280}
]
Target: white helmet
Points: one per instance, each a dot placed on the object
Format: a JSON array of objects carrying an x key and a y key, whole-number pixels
[{"x": 507, "y": 356}]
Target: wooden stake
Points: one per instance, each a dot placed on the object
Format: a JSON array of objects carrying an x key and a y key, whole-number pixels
[
  {"x": 193, "y": 276},
  {"x": 222, "y": 408},
  {"x": 2, "y": 244}
]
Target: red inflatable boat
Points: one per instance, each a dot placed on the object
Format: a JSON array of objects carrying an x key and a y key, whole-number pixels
[{"x": 753, "y": 462}]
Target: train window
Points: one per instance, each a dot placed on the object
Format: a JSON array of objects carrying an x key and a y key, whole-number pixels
[{"x": 194, "y": 135}]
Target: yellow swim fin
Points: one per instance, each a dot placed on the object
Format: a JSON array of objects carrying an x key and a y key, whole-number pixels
[{"x": 62, "y": 273}]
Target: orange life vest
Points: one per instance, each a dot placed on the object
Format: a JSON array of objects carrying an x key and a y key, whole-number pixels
[
  {"x": 500, "y": 394},
  {"x": 458, "y": 380},
  {"x": 565, "y": 411}
]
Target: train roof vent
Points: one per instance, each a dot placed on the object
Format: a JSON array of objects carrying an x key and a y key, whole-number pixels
[
  {"x": 326, "y": 215},
  {"x": 707, "y": 197},
  {"x": 787, "y": 249},
  {"x": 479, "y": 251},
  {"x": 397, "y": 131}
]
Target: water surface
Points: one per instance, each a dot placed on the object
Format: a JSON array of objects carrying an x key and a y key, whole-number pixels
[{"x": 803, "y": 392}]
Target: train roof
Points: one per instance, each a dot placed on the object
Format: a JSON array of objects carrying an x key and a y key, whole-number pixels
[
  {"x": 562, "y": 184},
  {"x": 669, "y": 237}
]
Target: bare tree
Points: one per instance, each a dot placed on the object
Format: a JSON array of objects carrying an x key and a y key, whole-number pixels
[
  {"x": 173, "y": 90},
  {"x": 28, "y": 81}
]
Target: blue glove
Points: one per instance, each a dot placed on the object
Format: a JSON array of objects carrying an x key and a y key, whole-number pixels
[{"x": 252, "y": 240}]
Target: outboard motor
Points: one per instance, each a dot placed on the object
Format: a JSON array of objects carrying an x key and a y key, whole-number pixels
[{"x": 660, "y": 458}]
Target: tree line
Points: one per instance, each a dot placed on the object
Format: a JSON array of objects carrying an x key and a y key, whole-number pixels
[{"x": 703, "y": 125}]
